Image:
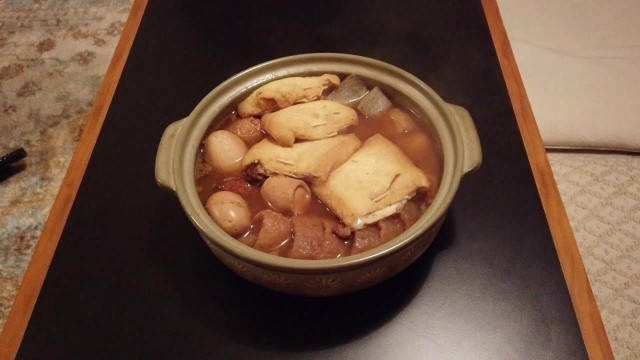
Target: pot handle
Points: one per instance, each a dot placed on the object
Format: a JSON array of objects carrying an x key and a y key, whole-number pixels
[
  {"x": 164, "y": 156},
  {"x": 470, "y": 140}
]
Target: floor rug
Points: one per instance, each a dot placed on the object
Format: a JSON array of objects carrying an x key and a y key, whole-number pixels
[{"x": 53, "y": 56}]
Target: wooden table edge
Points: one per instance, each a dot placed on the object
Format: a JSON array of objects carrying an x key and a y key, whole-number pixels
[
  {"x": 587, "y": 312},
  {"x": 25, "y": 300},
  {"x": 584, "y": 304}
]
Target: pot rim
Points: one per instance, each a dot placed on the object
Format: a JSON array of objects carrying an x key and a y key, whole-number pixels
[{"x": 225, "y": 97}]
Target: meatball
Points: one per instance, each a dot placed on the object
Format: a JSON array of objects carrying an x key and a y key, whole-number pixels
[
  {"x": 229, "y": 211},
  {"x": 224, "y": 152}
]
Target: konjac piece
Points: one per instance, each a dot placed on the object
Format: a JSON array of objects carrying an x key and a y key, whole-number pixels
[
  {"x": 374, "y": 104},
  {"x": 350, "y": 91}
]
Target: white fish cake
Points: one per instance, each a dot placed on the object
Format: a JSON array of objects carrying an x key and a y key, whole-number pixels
[
  {"x": 281, "y": 93},
  {"x": 310, "y": 121}
]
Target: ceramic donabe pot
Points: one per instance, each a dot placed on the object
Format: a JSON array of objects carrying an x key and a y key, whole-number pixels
[{"x": 454, "y": 127}]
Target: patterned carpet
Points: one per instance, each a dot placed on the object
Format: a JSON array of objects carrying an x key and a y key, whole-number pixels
[
  {"x": 53, "y": 56},
  {"x": 601, "y": 193}
]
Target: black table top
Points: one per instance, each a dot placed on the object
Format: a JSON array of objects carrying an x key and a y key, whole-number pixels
[{"x": 131, "y": 277}]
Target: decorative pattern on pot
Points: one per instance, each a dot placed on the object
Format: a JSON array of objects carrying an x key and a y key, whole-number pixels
[{"x": 372, "y": 276}]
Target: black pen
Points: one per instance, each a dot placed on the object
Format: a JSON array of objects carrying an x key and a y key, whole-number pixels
[{"x": 12, "y": 157}]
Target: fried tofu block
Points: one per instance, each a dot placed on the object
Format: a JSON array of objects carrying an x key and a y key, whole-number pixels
[
  {"x": 310, "y": 121},
  {"x": 375, "y": 182},
  {"x": 366, "y": 239},
  {"x": 285, "y": 92},
  {"x": 308, "y": 160}
]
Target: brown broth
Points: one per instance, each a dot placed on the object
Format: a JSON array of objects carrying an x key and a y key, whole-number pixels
[{"x": 420, "y": 145}]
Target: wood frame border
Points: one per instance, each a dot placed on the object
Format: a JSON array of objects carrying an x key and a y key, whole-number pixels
[
  {"x": 584, "y": 303},
  {"x": 25, "y": 300},
  {"x": 591, "y": 326}
]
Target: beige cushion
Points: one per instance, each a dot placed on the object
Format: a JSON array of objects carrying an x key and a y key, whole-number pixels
[{"x": 580, "y": 63}]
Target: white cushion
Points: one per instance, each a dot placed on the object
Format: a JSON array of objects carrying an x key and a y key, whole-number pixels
[{"x": 580, "y": 64}]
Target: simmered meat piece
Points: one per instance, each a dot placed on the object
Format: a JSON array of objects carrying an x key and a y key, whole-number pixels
[
  {"x": 254, "y": 174},
  {"x": 236, "y": 184},
  {"x": 365, "y": 239},
  {"x": 248, "y": 129},
  {"x": 409, "y": 214},
  {"x": 342, "y": 231},
  {"x": 273, "y": 229},
  {"x": 313, "y": 239},
  {"x": 390, "y": 228},
  {"x": 242, "y": 187},
  {"x": 201, "y": 167}
]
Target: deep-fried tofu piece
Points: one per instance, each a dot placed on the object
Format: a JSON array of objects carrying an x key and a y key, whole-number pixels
[
  {"x": 307, "y": 160},
  {"x": 310, "y": 121},
  {"x": 375, "y": 182},
  {"x": 285, "y": 92}
]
